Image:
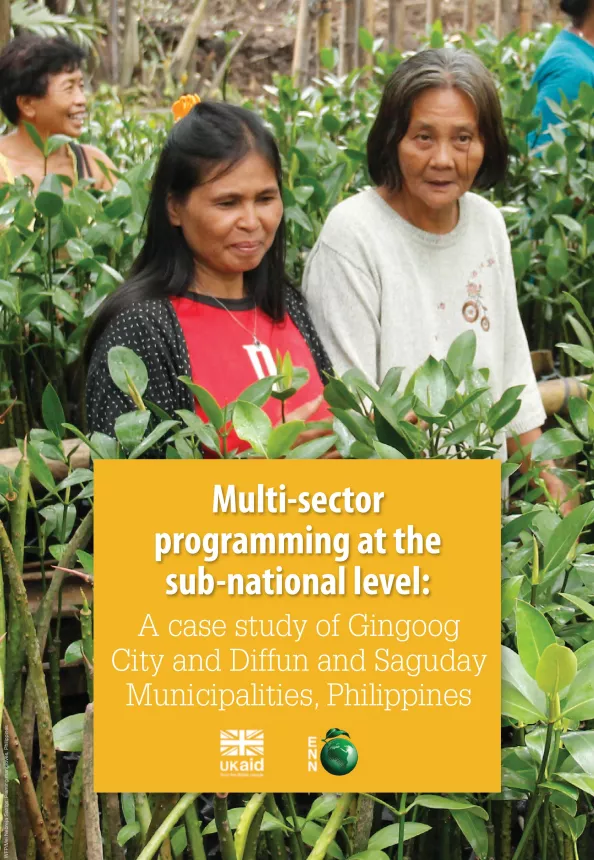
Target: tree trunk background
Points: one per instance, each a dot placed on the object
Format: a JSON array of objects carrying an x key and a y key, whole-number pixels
[
  {"x": 4, "y": 22},
  {"x": 131, "y": 44},
  {"x": 185, "y": 49},
  {"x": 302, "y": 43},
  {"x": 470, "y": 17},
  {"x": 345, "y": 41},
  {"x": 396, "y": 24}
]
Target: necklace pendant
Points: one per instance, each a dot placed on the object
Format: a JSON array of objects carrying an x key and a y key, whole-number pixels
[{"x": 256, "y": 341}]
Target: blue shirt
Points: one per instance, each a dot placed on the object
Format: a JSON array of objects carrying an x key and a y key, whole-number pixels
[{"x": 567, "y": 63}]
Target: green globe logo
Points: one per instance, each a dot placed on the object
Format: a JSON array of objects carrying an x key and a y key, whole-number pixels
[{"x": 339, "y": 756}]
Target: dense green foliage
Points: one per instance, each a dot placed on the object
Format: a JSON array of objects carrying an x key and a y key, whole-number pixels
[{"x": 60, "y": 255}]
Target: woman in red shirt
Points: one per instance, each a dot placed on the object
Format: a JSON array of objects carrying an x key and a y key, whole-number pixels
[{"x": 208, "y": 296}]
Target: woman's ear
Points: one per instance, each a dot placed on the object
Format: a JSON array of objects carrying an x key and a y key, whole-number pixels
[{"x": 173, "y": 211}]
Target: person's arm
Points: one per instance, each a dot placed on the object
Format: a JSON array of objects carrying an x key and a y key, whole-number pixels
[
  {"x": 344, "y": 304},
  {"x": 96, "y": 156}
]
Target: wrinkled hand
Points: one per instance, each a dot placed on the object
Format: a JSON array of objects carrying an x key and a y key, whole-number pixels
[
  {"x": 304, "y": 413},
  {"x": 560, "y": 492}
]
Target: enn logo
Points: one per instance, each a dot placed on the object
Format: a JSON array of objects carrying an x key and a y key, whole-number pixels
[
  {"x": 242, "y": 751},
  {"x": 312, "y": 755}
]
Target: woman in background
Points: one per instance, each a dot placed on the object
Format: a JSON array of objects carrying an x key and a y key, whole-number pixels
[{"x": 567, "y": 64}]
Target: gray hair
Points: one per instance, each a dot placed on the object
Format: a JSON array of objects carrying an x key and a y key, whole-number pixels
[{"x": 436, "y": 69}]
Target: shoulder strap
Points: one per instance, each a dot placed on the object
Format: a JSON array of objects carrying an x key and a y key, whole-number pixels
[
  {"x": 83, "y": 168},
  {"x": 6, "y": 169},
  {"x": 297, "y": 310}
]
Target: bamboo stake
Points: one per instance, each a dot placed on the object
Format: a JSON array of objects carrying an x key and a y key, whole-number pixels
[
  {"x": 369, "y": 25},
  {"x": 503, "y": 18},
  {"x": 113, "y": 40},
  {"x": 28, "y": 791},
  {"x": 526, "y": 16},
  {"x": 302, "y": 43},
  {"x": 49, "y": 779},
  {"x": 325, "y": 25},
  {"x": 346, "y": 34},
  {"x": 396, "y": 24},
  {"x": 90, "y": 798},
  {"x": 470, "y": 17}
]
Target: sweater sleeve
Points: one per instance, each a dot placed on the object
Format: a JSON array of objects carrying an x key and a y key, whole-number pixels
[
  {"x": 517, "y": 361},
  {"x": 137, "y": 330},
  {"x": 344, "y": 304}
]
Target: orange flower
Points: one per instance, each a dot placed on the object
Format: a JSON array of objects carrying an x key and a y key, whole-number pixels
[{"x": 184, "y": 105}]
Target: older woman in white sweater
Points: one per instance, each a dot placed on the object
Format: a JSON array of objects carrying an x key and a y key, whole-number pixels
[{"x": 401, "y": 269}]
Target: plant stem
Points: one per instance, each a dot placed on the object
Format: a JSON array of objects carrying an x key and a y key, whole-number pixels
[
  {"x": 86, "y": 629},
  {"x": 528, "y": 828},
  {"x": 253, "y": 806},
  {"x": 73, "y": 808},
  {"x": 49, "y": 780},
  {"x": 194, "y": 833},
  {"x": 28, "y": 791},
  {"x": 334, "y": 823},
  {"x": 275, "y": 838},
  {"x": 290, "y": 811},
  {"x": 165, "y": 828},
  {"x": 90, "y": 799},
  {"x": 226, "y": 843},
  {"x": 401, "y": 823}
]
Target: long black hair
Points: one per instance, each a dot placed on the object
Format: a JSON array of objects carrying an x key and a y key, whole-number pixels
[{"x": 213, "y": 134}]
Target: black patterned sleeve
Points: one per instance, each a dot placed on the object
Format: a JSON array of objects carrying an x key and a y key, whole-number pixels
[
  {"x": 146, "y": 328},
  {"x": 297, "y": 309}
]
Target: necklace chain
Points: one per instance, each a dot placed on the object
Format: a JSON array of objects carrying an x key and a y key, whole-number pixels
[{"x": 253, "y": 334}]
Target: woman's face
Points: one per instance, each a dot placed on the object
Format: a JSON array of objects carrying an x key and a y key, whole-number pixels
[
  {"x": 442, "y": 151},
  {"x": 230, "y": 222}
]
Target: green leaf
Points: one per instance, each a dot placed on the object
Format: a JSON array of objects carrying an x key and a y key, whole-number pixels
[
  {"x": 557, "y": 261},
  {"x": 322, "y": 806},
  {"x": 555, "y": 444},
  {"x": 510, "y": 588},
  {"x": 586, "y": 608},
  {"x": 283, "y": 438},
  {"x": 68, "y": 733},
  {"x": 475, "y": 831},
  {"x": 252, "y": 425},
  {"x": 366, "y": 40},
  {"x": 514, "y": 674},
  {"x": 53, "y": 414},
  {"x": 50, "y": 197},
  {"x": 461, "y": 354},
  {"x": 581, "y": 354},
  {"x": 534, "y": 635},
  {"x": 130, "y": 428},
  {"x": 128, "y": 807},
  {"x": 74, "y": 652},
  {"x": 370, "y": 855},
  {"x": 386, "y": 452},
  {"x": 312, "y": 831},
  {"x": 515, "y": 705},
  {"x": 40, "y": 469},
  {"x": 556, "y": 669},
  {"x": 580, "y": 746},
  {"x": 580, "y": 312},
  {"x": 269, "y": 822},
  {"x": 209, "y": 405},
  {"x": 127, "y": 832},
  {"x": 580, "y": 780},
  {"x": 35, "y": 137},
  {"x": 259, "y": 392},
  {"x": 125, "y": 366},
  {"x": 460, "y": 434},
  {"x": 389, "y": 835},
  {"x": 578, "y": 704},
  {"x": 152, "y": 438},
  {"x": 313, "y": 449},
  {"x": 566, "y": 534},
  {"x": 436, "y": 801},
  {"x": 430, "y": 386},
  {"x": 512, "y": 529}
]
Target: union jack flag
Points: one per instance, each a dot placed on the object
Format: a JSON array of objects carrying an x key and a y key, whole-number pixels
[{"x": 242, "y": 742}]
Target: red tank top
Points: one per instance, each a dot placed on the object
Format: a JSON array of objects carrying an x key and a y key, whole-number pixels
[{"x": 224, "y": 358}]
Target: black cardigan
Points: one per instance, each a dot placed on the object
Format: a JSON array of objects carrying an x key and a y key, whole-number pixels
[{"x": 151, "y": 328}]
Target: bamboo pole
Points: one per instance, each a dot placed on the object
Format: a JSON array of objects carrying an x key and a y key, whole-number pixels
[
  {"x": 470, "y": 17},
  {"x": 325, "y": 25},
  {"x": 369, "y": 25},
  {"x": 526, "y": 16},
  {"x": 357, "y": 24},
  {"x": 433, "y": 12},
  {"x": 503, "y": 18},
  {"x": 113, "y": 41},
  {"x": 302, "y": 43},
  {"x": 183, "y": 53},
  {"x": 131, "y": 46},
  {"x": 396, "y": 24},
  {"x": 345, "y": 37}
]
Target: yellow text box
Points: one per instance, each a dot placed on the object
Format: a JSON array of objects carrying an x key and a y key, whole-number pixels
[{"x": 245, "y": 608}]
